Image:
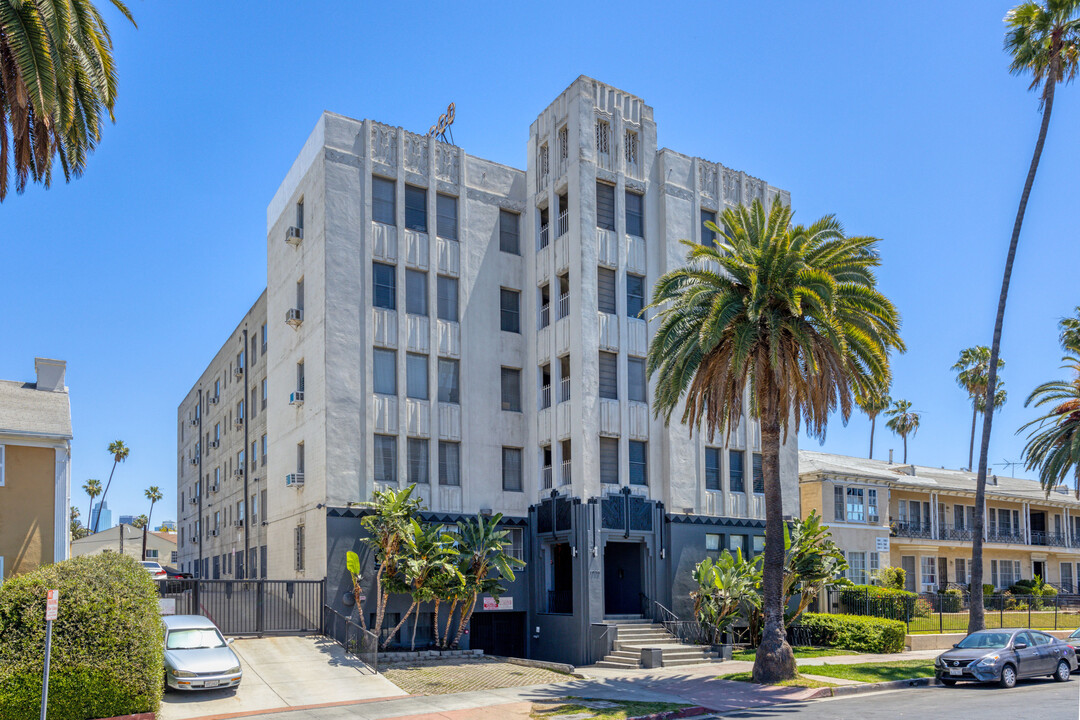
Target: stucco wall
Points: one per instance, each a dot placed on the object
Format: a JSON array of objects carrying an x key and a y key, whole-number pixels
[{"x": 27, "y": 508}]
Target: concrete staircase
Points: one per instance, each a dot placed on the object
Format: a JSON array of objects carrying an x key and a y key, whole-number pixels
[{"x": 631, "y": 635}]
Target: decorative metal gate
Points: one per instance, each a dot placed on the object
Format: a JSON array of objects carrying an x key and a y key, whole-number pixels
[{"x": 250, "y": 607}]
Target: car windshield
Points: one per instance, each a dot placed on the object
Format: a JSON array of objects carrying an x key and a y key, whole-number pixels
[
  {"x": 194, "y": 639},
  {"x": 151, "y": 565},
  {"x": 1075, "y": 634},
  {"x": 987, "y": 640}
]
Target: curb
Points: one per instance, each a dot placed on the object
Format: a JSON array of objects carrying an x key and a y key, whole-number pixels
[
  {"x": 692, "y": 711},
  {"x": 844, "y": 690}
]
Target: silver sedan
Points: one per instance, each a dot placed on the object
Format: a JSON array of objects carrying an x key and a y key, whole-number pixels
[{"x": 197, "y": 656}]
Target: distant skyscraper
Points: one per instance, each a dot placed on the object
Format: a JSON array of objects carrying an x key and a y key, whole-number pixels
[
  {"x": 106, "y": 516},
  {"x": 167, "y": 526},
  {"x": 127, "y": 520}
]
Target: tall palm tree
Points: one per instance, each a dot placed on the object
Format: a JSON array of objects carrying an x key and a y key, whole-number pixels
[
  {"x": 1044, "y": 40},
  {"x": 153, "y": 494},
  {"x": 57, "y": 78},
  {"x": 789, "y": 317},
  {"x": 483, "y": 547},
  {"x": 120, "y": 453},
  {"x": 93, "y": 489},
  {"x": 1053, "y": 446},
  {"x": 140, "y": 522},
  {"x": 873, "y": 402},
  {"x": 903, "y": 421},
  {"x": 972, "y": 371},
  {"x": 1070, "y": 333}
]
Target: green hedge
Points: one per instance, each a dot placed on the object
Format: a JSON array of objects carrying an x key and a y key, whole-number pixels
[
  {"x": 877, "y": 601},
  {"x": 108, "y": 641},
  {"x": 855, "y": 632}
]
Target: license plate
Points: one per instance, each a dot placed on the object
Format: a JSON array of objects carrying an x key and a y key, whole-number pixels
[
  {"x": 210, "y": 683},
  {"x": 956, "y": 671}
]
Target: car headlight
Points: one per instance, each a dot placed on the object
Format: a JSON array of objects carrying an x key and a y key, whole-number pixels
[
  {"x": 233, "y": 670},
  {"x": 989, "y": 660},
  {"x": 183, "y": 674}
]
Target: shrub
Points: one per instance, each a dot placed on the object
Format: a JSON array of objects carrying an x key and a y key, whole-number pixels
[
  {"x": 855, "y": 632},
  {"x": 891, "y": 577},
  {"x": 951, "y": 600},
  {"x": 923, "y": 608},
  {"x": 107, "y": 644},
  {"x": 878, "y": 601}
]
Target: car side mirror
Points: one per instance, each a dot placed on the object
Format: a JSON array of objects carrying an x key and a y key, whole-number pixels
[
  {"x": 956, "y": 645},
  {"x": 1020, "y": 646},
  {"x": 229, "y": 641}
]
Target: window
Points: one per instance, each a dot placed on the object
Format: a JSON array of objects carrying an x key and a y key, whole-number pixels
[
  {"x": 385, "y": 371},
  {"x": 605, "y": 290},
  {"x": 449, "y": 463},
  {"x": 254, "y": 402},
  {"x": 416, "y": 208},
  {"x": 871, "y": 505},
  {"x": 416, "y": 302},
  {"x": 708, "y": 237},
  {"x": 712, "y": 468},
  {"x": 759, "y": 544},
  {"x": 262, "y": 449},
  {"x": 511, "y": 389},
  {"x": 637, "y": 385},
  {"x": 609, "y": 461},
  {"x": 630, "y": 147},
  {"x": 635, "y": 214},
  {"x": 545, "y": 465},
  {"x": 736, "y": 482},
  {"x": 994, "y": 574},
  {"x": 564, "y": 378},
  {"x": 300, "y": 213},
  {"x": 448, "y": 381},
  {"x": 300, "y": 376},
  {"x": 565, "y": 477},
  {"x": 605, "y": 206},
  {"x": 855, "y": 512},
  {"x": 254, "y": 508},
  {"x": 264, "y": 338},
  {"x": 712, "y": 542},
  {"x": 635, "y": 295},
  {"x": 545, "y": 230},
  {"x": 857, "y": 567},
  {"x": 510, "y": 310},
  {"x": 545, "y": 306},
  {"x": 929, "y": 573},
  {"x": 759, "y": 477},
  {"x": 385, "y": 286},
  {"x": 737, "y": 544},
  {"x": 639, "y": 473},
  {"x": 300, "y": 294},
  {"x": 838, "y": 504},
  {"x": 447, "y": 289},
  {"x": 603, "y": 136},
  {"x": 509, "y": 235},
  {"x": 875, "y": 565},
  {"x": 416, "y": 376},
  {"x": 386, "y": 459},
  {"x": 298, "y": 546},
  {"x": 564, "y": 296},
  {"x": 299, "y": 457},
  {"x": 609, "y": 375},
  {"x": 151, "y": 554},
  {"x": 516, "y": 536},
  {"x": 1066, "y": 576},
  {"x": 418, "y": 461},
  {"x": 511, "y": 469},
  {"x": 544, "y": 401},
  {"x": 446, "y": 217},
  {"x": 961, "y": 571},
  {"x": 382, "y": 200}
]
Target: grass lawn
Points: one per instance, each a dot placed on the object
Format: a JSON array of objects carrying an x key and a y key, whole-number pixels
[
  {"x": 600, "y": 709},
  {"x": 797, "y": 682},
  {"x": 800, "y": 652},
  {"x": 957, "y": 622},
  {"x": 877, "y": 672}
]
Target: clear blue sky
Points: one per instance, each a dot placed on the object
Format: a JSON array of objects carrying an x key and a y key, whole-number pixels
[{"x": 901, "y": 118}]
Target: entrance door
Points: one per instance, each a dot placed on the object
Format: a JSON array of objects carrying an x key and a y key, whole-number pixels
[
  {"x": 561, "y": 589},
  {"x": 907, "y": 562},
  {"x": 622, "y": 578},
  {"x": 943, "y": 572},
  {"x": 1038, "y": 569},
  {"x": 498, "y": 633}
]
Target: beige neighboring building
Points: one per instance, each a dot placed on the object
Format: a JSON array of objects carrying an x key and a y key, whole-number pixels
[
  {"x": 921, "y": 519},
  {"x": 35, "y": 475},
  {"x": 127, "y": 539}
]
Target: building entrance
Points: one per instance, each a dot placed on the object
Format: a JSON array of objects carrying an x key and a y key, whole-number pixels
[{"x": 622, "y": 578}]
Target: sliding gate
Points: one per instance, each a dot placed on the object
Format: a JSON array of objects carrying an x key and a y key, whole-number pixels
[{"x": 249, "y": 607}]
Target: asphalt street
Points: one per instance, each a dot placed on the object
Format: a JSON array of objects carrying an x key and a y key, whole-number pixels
[{"x": 1042, "y": 699}]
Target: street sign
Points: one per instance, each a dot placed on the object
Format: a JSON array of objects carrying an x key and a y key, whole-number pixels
[{"x": 52, "y": 604}]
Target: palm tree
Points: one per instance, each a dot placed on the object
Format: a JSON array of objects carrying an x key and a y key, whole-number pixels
[
  {"x": 483, "y": 549},
  {"x": 153, "y": 494},
  {"x": 790, "y": 317},
  {"x": 873, "y": 403},
  {"x": 120, "y": 452},
  {"x": 387, "y": 524},
  {"x": 57, "y": 77},
  {"x": 903, "y": 421},
  {"x": 972, "y": 371},
  {"x": 1070, "y": 333},
  {"x": 1045, "y": 41},
  {"x": 1053, "y": 446},
  {"x": 427, "y": 553},
  {"x": 93, "y": 489},
  {"x": 139, "y": 522}
]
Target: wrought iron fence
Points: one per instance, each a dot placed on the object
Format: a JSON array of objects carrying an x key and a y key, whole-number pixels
[
  {"x": 355, "y": 639},
  {"x": 250, "y": 607}
]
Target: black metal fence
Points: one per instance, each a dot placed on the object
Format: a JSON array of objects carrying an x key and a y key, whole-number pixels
[
  {"x": 355, "y": 639},
  {"x": 250, "y": 607}
]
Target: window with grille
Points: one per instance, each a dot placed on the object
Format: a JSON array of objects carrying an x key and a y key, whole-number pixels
[
  {"x": 449, "y": 463},
  {"x": 855, "y": 508},
  {"x": 511, "y": 469},
  {"x": 639, "y": 461},
  {"x": 635, "y": 214},
  {"x": 382, "y": 200},
  {"x": 416, "y": 376},
  {"x": 609, "y": 375},
  {"x": 564, "y": 143},
  {"x": 636, "y": 382},
  {"x": 635, "y": 295},
  {"x": 511, "y": 389},
  {"x": 416, "y": 292},
  {"x": 509, "y": 234},
  {"x": 857, "y": 567},
  {"x": 603, "y": 136},
  {"x": 510, "y": 310},
  {"x": 416, "y": 208},
  {"x": 871, "y": 506},
  {"x": 448, "y": 381},
  {"x": 605, "y": 206},
  {"x": 605, "y": 290},
  {"x": 609, "y": 461},
  {"x": 630, "y": 145},
  {"x": 384, "y": 371},
  {"x": 759, "y": 477},
  {"x": 446, "y": 225},
  {"x": 386, "y": 459},
  {"x": 298, "y": 544},
  {"x": 736, "y": 481},
  {"x": 384, "y": 286},
  {"x": 447, "y": 290},
  {"x": 545, "y": 160},
  {"x": 712, "y": 468}
]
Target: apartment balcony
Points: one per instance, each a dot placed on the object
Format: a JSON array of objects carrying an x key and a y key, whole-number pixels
[
  {"x": 545, "y": 235},
  {"x": 564, "y": 389},
  {"x": 564, "y": 223},
  {"x": 1052, "y": 539},
  {"x": 906, "y": 529},
  {"x": 1006, "y": 536},
  {"x": 564, "y": 477},
  {"x": 959, "y": 534}
]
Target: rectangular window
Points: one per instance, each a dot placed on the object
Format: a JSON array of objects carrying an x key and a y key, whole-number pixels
[
  {"x": 510, "y": 310},
  {"x": 929, "y": 573},
  {"x": 635, "y": 295},
  {"x": 447, "y": 288},
  {"x": 637, "y": 385},
  {"x": 1066, "y": 577},
  {"x": 264, "y": 338},
  {"x": 386, "y": 459},
  {"x": 262, "y": 449},
  {"x": 384, "y": 285},
  {"x": 300, "y": 376},
  {"x": 605, "y": 290},
  {"x": 708, "y": 237},
  {"x": 609, "y": 375},
  {"x": 712, "y": 542},
  {"x": 855, "y": 508},
  {"x": 298, "y": 547},
  {"x": 857, "y": 567},
  {"x": 712, "y": 468},
  {"x": 609, "y": 461},
  {"x": 875, "y": 564},
  {"x": 416, "y": 208},
  {"x": 385, "y": 371},
  {"x": 449, "y": 463},
  {"x": 516, "y": 537},
  {"x": 639, "y": 460},
  {"x": 605, "y": 206},
  {"x": 418, "y": 461},
  {"x": 544, "y": 401},
  {"x": 511, "y": 389},
  {"x": 416, "y": 376},
  {"x": 759, "y": 477},
  {"x": 511, "y": 469},
  {"x": 737, "y": 544},
  {"x": 299, "y": 457},
  {"x": 382, "y": 200},
  {"x": 448, "y": 381},
  {"x": 416, "y": 302},
  {"x": 736, "y": 481},
  {"x": 635, "y": 214},
  {"x": 299, "y": 297},
  {"x": 961, "y": 571},
  {"x": 838, "y": 503},
  {"x": 871, "y": 505},
  {"x": 446, "y": 217},
  {"x": 509, "y": 235}
]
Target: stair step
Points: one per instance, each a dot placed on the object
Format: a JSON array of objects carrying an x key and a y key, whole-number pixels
[
  {"x": 680, "y": 662},
  {"x": 617, "y": 665}
]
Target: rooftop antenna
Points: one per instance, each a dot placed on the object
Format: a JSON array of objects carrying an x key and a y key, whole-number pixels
[
  {"x": 439, "y": 129},
  {"x": 1008, "y": 465}
]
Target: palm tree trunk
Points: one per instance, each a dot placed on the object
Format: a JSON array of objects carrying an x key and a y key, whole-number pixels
[
  {"x": 105, "y": 492},
  {"x": 976, "y": 620},
  {"x": 397, "y": 627},
  {"x": 145, "y": 529},
  {"x": 971, "y": 448},
  {"x": 774, "y": 660},
  {"x": 466, "y": 613},
  {"x": 449, "y": 619},
  {"x": 435, "y": 620},
  {"x": 380, "y": 603},
  {"x": 414, "y": 626},
  {"x": 905, "y": 449},
  {"x": 89, "y": 511},
  {"x": 873, "y": 422}
]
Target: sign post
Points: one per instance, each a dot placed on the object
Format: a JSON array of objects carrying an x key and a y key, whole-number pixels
[{"x": 52, "y": 603}]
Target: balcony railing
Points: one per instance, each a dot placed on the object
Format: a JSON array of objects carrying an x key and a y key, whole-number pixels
[
  {"x": 1006, "y": 536},
  {"x": 547, "y": 477},
  {"x": 564, "y": 305},
  {"x": 545, "y": 397},
  {"x": 564, "y": 477},
  {"x": 564, "y": 223},
  {"x": 544, "y": 237},
  {"x": 1054, "y": 539},
  {"x": 951, "y": 532},
  {"x": 545, "y": 315},
  {"x": 564, "y": 389},
  {"x": 903, "y": 528}
]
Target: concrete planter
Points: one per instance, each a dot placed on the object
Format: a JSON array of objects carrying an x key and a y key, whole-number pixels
[
  {"x": 421, "y": 656},
  {"x": 723, "y": 651}
]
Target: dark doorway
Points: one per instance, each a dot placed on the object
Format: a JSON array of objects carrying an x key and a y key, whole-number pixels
[
  {"x": 1038, "y": 569},
  {"x": 1038, "y": 528},
  {"x": 561, "y": 591},
  {"x": 498, "y": 633},
  {"x": 622, "y": 578}
]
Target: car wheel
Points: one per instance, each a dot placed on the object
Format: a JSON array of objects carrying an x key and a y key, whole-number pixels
[
  {"x": 1063, "y": 673},
  {"x": 1008, "y": 677},
  {"x": 948, "y": 682}
]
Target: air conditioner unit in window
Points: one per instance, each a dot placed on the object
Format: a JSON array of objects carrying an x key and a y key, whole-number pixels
[
  {"x": 214, "y": 532},
  {"x": 194, "y": 461},
  {"x": 294, "y": 235},
  {"x": 213, "y": 400},
  {"x": 296, "y": 398},
  {"x": 239, "y": 423},
  {"x": 294, "y": 480},
  {"x": 194, "y": 423},
  {"x": 214, "y": 444},
  {"x": 238, "y": 472},
  {"x": 194, "y": 500},
  {"x": 294, "y": 316},
  {"x": 215, "y": 487},
  {"x": 238, "y": 371},
  {"x": 195, "y": 539},
  {"x": 238, "y": 523}
]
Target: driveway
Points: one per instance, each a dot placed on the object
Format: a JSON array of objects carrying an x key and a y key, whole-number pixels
[{"x": 284, "y": 672}]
